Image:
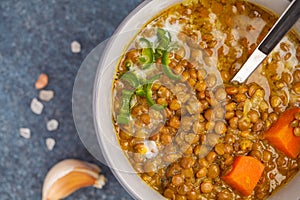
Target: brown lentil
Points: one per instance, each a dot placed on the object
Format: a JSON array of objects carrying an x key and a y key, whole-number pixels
[
  {"x": 213, "y": 171},
  {"x": 220, "y": 94},
  {"x": 267, "y": 155},
  {"x": 211, "y": 80},
  {"x": 201, "y": 172},
  {"x": 296, "y": 76},
  {"x": 220, "y": 127},
  {"x": 220, "y": 149},
  {"x": 211, "y": 156},
  {"x": 177, "y": 180},
  {"x": 206, "y": 187},
  {"x": 187, "y": 162}
]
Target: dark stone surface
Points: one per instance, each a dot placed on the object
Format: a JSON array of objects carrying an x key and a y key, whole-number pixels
[{"x": 35, "y": 37}]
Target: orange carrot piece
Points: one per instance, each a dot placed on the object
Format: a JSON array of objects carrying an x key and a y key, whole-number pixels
[
  {"x": 245, "y": 174},
  {"x": 281, "y": 135}
]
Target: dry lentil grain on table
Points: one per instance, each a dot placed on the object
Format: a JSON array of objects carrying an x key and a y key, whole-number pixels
[
  {"x": 46, "y": 95},
  {"x": 52, "y": 125},
  {"x": 50, "y": 143},
  {"x": 75, "y": 47},
  {"x": 36, "y": 106},
  {"x": 25, "y": 133}
]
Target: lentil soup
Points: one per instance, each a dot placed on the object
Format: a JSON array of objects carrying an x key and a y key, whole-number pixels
[{"x": 186, "y": 129}]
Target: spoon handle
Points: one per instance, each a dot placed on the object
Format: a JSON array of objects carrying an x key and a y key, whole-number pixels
[{"x": 281, "y": 27}]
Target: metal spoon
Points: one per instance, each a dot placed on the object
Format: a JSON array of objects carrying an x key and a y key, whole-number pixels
[{"x": 281, "y": 27}]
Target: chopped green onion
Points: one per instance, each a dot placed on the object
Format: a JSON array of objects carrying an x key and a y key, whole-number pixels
[
  {"x": 123, "y": 119},
  {"x": 124, "y": 115},
  {"x": 166, "y": 69},
  {"x": 131, "y": 78},
  {"x": 158, "y": 53},
  {"x": 128, "y": 64},
  {"x": 164, "y": 39},
  {"x": 150, "y": 101},
  {"x": 154, "y": 78},
  {"x": 142, "y": 88},
  {"x": 147, "y": 57},
  {"x": 140, "y": 91},
  {"x": 144, "y": 43}
]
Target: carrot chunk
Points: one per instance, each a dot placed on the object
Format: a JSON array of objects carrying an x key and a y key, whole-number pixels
[
  {"x": 281, "y": 135},
  {"x": 245, "y": 174}
]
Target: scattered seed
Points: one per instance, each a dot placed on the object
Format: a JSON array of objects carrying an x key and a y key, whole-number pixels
[
  {"x": 25, "y": 133},
  {"x": 36, "y": 106},
  {"x": 75, "y": 47},
  {"x": 46, "y": 95},
  {"x": 42, "y": 81},
  {"x": 52, "y": 125},
  {"x": 50, "y": 143}
]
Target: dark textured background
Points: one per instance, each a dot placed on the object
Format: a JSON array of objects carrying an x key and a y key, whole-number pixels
[{"x": 35, "y": 37}]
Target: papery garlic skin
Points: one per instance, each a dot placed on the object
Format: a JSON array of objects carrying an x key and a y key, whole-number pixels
[{"x": 70, "y": 175}]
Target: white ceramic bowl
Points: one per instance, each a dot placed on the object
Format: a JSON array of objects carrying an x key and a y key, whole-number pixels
[{"x": 103, "y": 93}]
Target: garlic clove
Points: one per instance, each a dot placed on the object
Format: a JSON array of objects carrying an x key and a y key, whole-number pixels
[{"x": 70, "y": 175}]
